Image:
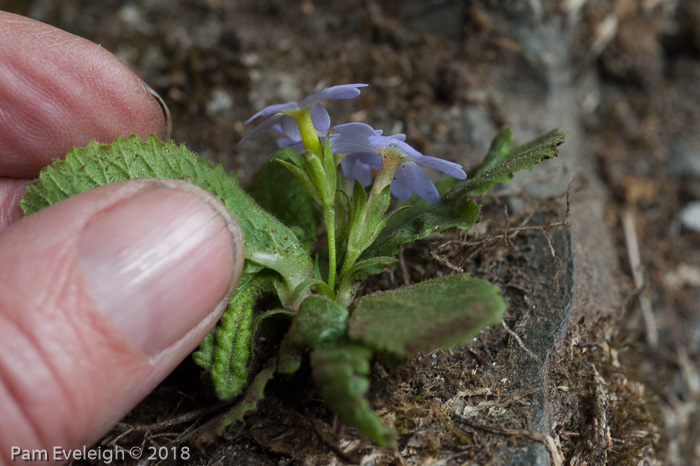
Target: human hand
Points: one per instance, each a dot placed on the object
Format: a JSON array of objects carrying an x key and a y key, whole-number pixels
[{"x": 101, "y": 295}]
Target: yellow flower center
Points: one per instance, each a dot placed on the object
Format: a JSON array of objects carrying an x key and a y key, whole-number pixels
[{"x": 392, "y": 157}]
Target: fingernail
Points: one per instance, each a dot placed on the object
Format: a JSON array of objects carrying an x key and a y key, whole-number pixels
[
  {"x": 161, "y": 261},
  {"x": 164, "y": 108}
]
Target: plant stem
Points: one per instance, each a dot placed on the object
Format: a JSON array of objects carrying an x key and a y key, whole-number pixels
[
  {"x": 329, "y": 218},
  {"x": 349, "y": 262},
  {"x": 344, "y": 295},
  {"x": 363, "y": 227},
  {"x": 307, "y": 131},
  {"x": 319, "y": 171},
  {"x": 382, "y": 180}
]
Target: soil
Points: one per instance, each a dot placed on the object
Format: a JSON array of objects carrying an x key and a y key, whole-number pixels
[{"x": 597, "y": 360}]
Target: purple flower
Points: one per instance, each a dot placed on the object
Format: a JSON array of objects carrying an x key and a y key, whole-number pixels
[
  {"x": 290, "y": 135},
  {"x": 367, "y": 149},
  {"x": 319, "y": 116}
]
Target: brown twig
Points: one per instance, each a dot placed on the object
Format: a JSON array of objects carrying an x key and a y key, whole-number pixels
[
  {"x": 443, "y": 260},
  {"x": 190, "y": 416},
  {"x": 549, "y": 442},
  {"x": 635, "y": 261},
  {"x": 493, "y": 237},
  {"x": 442, "y": 418},
  {"x": 504, "y": 403},
  {"x": 505, "y": 230},
  {"x": 520, "y": 342},
  {"x": 351, "y": 457},
  {"x": 508, "y": 233}
]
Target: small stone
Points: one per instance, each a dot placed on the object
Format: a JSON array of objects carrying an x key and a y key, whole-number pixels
[
  {"x": 219, "y": 102},
  {"x": 690, "y": 216}
]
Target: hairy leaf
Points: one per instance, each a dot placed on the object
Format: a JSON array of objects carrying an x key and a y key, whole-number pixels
[
  {"x": 268, "y": 242},
  {"x": 225, "y": 352},
  {"x": 339, "y": 371},
  {"x": 455, "y": 209},
  {"x": 421, "y": 220},
  {"x": 290, "y": 355},
  {"x": 498, "y": 152},
  {"x": 319, "y": 320},
  {"x": 280, "y": 192},
  {"x": 446, "y": 311},
  {"x": 508, "y": 162},
  {"x": 373, "y": 266}
]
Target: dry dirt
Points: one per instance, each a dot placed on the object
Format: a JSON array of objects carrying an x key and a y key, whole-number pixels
[{"x": 579, "y": 374}]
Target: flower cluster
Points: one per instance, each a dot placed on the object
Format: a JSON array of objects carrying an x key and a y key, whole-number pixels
[{"x": 366, "y": 149}]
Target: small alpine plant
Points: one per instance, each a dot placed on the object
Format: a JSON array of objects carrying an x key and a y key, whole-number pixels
[{"x": 318, "y": 219}]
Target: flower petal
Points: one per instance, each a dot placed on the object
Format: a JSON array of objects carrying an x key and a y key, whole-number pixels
[
  {"x": 451, "y": 168},
  {"x": 363, "y": 174},
  {"x": 258, "y": 131},
  {"x": 399, "y": 136},
  {"x": 292, "y": 144},
  {"x": 320, "y": 118},
  {"x": 371, "y": 159},
  {"x": 410, "y": 178},
  {"x": 410, "y": 152},
  {"x": 355, "y": 169},
  {"x": 352, "y": 137},
  {"x": 342, "y": 91},
  {"x": 271, "y": 109},
  {"x": 290, "y": 128}
]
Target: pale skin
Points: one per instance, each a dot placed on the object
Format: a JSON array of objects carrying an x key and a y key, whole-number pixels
[{"x": 102, "y": 295}]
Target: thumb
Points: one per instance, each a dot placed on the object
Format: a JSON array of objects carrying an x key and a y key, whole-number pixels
[{"x": 101, "y": 296}]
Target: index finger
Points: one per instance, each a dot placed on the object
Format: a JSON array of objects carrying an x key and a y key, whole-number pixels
[{"x": 58, "y": 91}]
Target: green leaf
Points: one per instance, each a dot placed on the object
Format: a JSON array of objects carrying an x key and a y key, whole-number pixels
[
  {"x": 455, "y": 209},
  {"x": 303, "y": 178},
  {"x": 352, "y": 278},
  {"x": 419, "y": 221},
  {"x": 291, "y": 155},
  {"x": 319, "y": 320},
  {"x": 290, "y": 355},
  {"x": 213, "y": 429},
  {"x": 342, "y": 218},
  {"x": 443, "y": 312},
  {"x": 365, "y": 224},
  {"x": 509, "y": 162},
  {"x": 225, "y": 352},
  {"x": 339, "y": 371},
  {"x": 498, "y": 152},
  {"x": 320, "y": 286},
  {"x": 268, "y": 242},
  {"x": 373, "y": 266},
  {"x": 358, "y": 227},
  {"x": 279, "y": 191}
]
